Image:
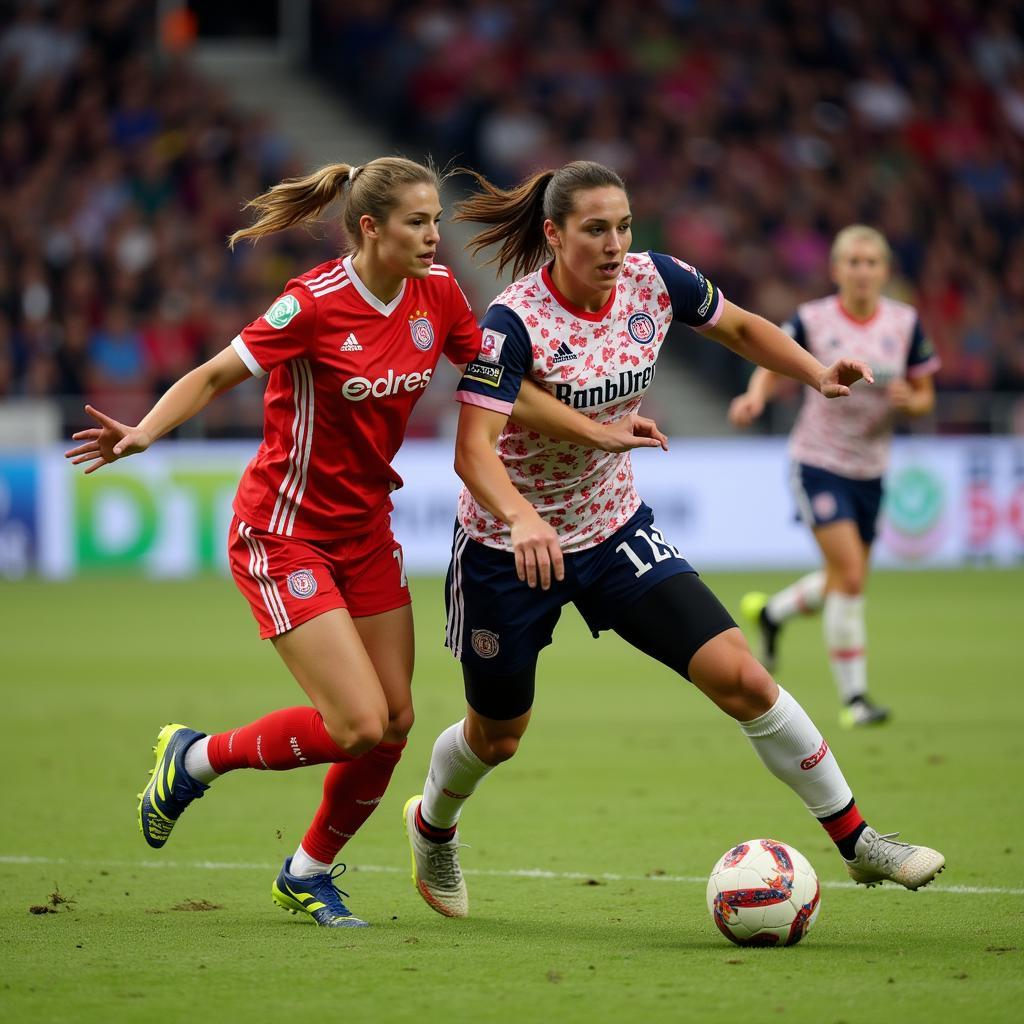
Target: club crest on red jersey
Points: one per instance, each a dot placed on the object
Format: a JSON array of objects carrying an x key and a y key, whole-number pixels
[
  {"x": 422, "y": 330},
  {"x": 301, "y": 584},
  {"x": 641, "y": 327}
]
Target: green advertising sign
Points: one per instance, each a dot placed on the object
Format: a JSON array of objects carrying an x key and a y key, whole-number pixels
[{"x": 122, "y": 520}]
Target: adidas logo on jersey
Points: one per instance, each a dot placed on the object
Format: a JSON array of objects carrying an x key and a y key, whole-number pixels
[
  {"x": 351, "y": 345},
  {"x": 564, "y": 354}
]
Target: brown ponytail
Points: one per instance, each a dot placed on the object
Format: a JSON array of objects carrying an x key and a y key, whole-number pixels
[
  {"x": 371, "y": 190},
  {"x": 517, "y": 215}
]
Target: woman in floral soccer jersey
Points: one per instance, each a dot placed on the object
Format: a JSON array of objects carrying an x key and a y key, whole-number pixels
[
  {"x": 544, "y": 523},
  {"x": 840, "y": 451},
  {"x": 347, "y": 349}
]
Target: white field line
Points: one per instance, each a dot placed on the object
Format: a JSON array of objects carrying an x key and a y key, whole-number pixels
[{"x": 212, "y": 865}]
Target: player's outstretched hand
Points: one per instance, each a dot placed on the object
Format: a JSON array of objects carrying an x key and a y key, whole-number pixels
[
  {"x": 537, "y": 551},
  {"x": 901, "y": 395},
  {"x": 744, "y": 409},
  {"x": 629, "y": 432},
  {"x": 836, "y": 380},
  {"x": 106, "y": 443}
]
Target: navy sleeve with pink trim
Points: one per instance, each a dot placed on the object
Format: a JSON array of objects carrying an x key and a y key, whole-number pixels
[
  {"x": 463, "y": 341},
  {"x": 922, "y": 359},
  {"x": 493, "y": 379},
  {"x": 284, "y": 332},
  {"x": 695, "y": 300}
]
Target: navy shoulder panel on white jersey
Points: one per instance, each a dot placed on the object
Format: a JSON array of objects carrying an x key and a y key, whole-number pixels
[{"x": 695, "y": 300}]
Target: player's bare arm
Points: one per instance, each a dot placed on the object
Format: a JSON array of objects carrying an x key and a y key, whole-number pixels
[
  {"x": 539, "y": 410},
  {"x": 761, "y": 342},
  {"x": 913, "y": 397},
  {"x": 746, "y": 408},
  {"x": 534, "y": 543},
  {"x": 112, "y": 440}
]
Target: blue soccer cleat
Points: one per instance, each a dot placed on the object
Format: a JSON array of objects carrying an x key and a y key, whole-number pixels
[
  {"x": 316, "y": 896},
  {"x": 170, "y": 789}
]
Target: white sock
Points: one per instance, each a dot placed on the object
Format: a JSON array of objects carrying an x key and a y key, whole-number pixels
[
  {"x": 304, "y": 866},
  {"x": 455, "y": 772},
  {"x": 804, "y": 597},
  {"x": 845, "y": 640},
  {"x": 197, "y": 761},
  {"x": 794, "y": 751}
]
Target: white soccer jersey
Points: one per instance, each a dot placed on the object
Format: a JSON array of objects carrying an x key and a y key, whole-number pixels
[
  {"x": 851, "y": 436},
  {"x": 600, "y": 364}
]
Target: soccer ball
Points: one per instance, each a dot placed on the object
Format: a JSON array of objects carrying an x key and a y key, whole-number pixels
[{"x": 763, "y": 893}]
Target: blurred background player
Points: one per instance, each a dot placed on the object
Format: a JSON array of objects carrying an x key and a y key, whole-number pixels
[
  {"x": 840, "y": 451},
  {"x": 589, "y": 326},
  {"x": 349, "y": 347}
]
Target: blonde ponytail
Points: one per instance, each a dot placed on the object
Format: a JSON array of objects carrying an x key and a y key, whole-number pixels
[{"x": 366, "y": 190}]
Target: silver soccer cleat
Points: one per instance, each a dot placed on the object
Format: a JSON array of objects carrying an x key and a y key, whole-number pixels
[
  {"x": 881, "y": 858},
  {"x": 435, "y": 868}
]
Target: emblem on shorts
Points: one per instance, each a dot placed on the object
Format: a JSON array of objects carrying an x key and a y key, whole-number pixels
[
  {"x": 301, "y": 584},
  {"x": 824, "y": 505},
  {"x": 485, "y": 643},
  {"x": 422, "y": 330},
  {"x": 281, "y": 312},
  {"x": 641, "y": 327}
]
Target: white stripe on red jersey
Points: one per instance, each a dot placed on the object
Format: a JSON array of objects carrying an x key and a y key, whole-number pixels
[{"x": 335, "y": 411}]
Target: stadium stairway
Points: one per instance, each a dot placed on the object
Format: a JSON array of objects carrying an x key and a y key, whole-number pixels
[{"x": 262, "y": 78}]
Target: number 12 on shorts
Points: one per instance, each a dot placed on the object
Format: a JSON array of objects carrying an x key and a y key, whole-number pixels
[{"x": 661, "y": 550}]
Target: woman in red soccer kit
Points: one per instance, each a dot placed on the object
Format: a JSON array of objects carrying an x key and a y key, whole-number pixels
[{"x": 348, "y": 348}]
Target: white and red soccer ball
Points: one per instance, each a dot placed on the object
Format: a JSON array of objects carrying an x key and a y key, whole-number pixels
[{"x": 763, "y": 893}]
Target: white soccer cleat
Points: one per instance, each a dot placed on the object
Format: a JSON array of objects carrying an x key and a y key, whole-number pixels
[
  {"x": 435, "y": 868},
  {"x": 882, "y": 858}
]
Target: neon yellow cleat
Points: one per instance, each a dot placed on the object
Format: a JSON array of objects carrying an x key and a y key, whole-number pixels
[
  {"x": 754, "y": 608},
  {"x": 170, "y": 788},
  {"x": 751, "y": 605},
  {"x": 318, "y": 896}
]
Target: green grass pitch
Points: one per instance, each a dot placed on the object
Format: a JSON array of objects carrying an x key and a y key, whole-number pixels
[{"x": 588, "y": 852}]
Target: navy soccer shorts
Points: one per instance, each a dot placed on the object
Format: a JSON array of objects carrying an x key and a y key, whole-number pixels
[
  {"x": 499, "y": 624},
  {"x": 823, "y": 497}
]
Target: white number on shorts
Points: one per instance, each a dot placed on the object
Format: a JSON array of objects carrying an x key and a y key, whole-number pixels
[
  {"x": 659, "y": 537},
  {"x": 660, "y": 548},
  {"x": 641, "y": 565},
  {"x": 398, "y": 557}
]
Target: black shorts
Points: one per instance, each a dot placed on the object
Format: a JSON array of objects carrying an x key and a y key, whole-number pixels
[
  {"x": 498, "y": 623},
  {"x": 824, "y": 497},
  {"x": 671, "y": 622}
]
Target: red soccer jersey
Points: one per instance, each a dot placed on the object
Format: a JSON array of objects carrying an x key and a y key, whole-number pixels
[{"x": 345, "y": 372}]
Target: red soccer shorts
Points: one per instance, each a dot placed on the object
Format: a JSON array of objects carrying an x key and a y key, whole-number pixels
[{"x": 288, "y": 581}]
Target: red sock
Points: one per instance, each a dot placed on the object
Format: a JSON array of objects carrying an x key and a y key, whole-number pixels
[
  {"x": 289, "y": 738},
  {"x": 845, "y": 827},
  {"x": 351, "y": 794}
]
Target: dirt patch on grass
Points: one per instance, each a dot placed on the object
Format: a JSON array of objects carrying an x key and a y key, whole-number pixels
[
  {"x": 53, "y": 901},
  {"x": 197, "y": 905}
]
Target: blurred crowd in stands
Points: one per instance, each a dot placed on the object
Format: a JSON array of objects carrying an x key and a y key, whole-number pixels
[
  {"x": 121, "y": 175},
  {"x": 748, "y": 134}
]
